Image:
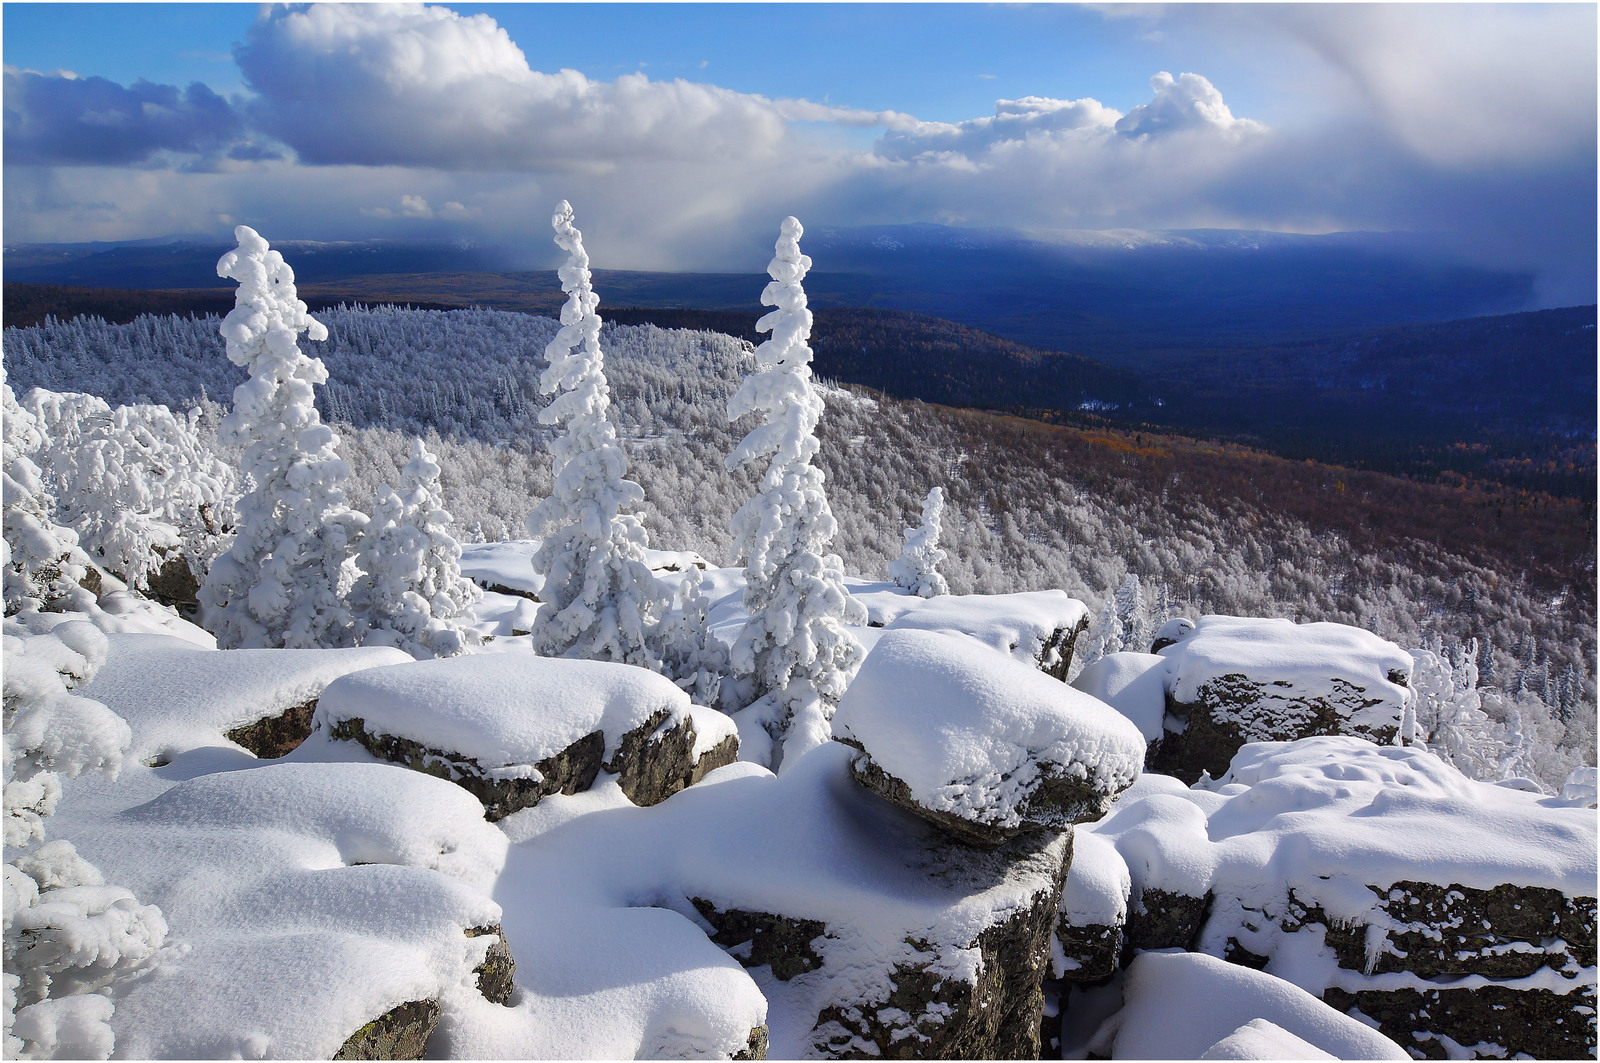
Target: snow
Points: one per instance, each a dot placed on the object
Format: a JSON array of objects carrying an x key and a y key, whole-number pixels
[
  {"x": 303, "y": 900},
  {"x": 178, "y": 697},
  {"x": 505, "y": 711},
  {"x": 1135, "y": 684},
  {"x": 1019, "y": 624},
  {"x": 917, "y": 567},
  {"x": 1260, "y": 1039},
  {"x": 1179, "y": 1005},
  {"x": 975, "y": 733},
  {"x": 501, "y": 615},
  {"x": 1098, "y": 885},
  {"x": 1580, "y": 787},
  {"x": 508, "y": 565},
  {"x": 1295, "y": 661}
]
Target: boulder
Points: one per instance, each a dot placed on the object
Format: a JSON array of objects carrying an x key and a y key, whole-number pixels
[
  {"x": 513, "y": 729},
  {"x": 1233, "y": 680},
  {"x": 1038, "y": 628},
  {"x": 276, "y": 736},
  {"x": 400, "y": 1033},
  {"x": 173, "y": 582},
  {"x": 979, "y": 744}
]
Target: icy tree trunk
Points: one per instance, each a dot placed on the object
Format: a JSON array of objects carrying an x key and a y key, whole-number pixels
[
  {"x": 601, "y": 599},
  {"x": 795, "y": 656},
  {"x": 917, "y": 568},
  {"x": 283, "y": 581}
]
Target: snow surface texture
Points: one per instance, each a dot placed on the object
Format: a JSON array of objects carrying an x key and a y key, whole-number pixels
[
  {"x": 978, "y": 735},
  {"x": 794, "y": 656},
  {"x": 917, "y": 567},
  {"x": 1327, "y": 818},
  {"x": 1135, "y": 684},
  {"x": 1291, "y": 663},
  {"x": 304, "y": 900},
  {"x": 1027, "y": 625},
  {"x": 601, "y": 600},
  {"x": 411, "y": 594},
  {"x": 179, "y": 697},
  {"x": 68, "y": 935},
  {"x": 284, "y": 579},
  {"x": 1183, "y": 1005},
  {"x": 596, "y": 970},
  {"x": 505, "y": 711}
]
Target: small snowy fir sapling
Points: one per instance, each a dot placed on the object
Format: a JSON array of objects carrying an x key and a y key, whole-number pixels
[
  {"x": 601, "y": 599},
  {"x": 917, "y": 567},
  {"x": 283, "y": 581},
  {"x": 795, "y": 657},
  {"x": 68, "y": 936},
  {"x": 412, "y": 594},
  {"x": 692, "y": 655}
]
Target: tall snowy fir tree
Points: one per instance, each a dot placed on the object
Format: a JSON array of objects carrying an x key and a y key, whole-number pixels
[
  {"x": 601, "y": 601},
  {"x": 283, "y": 581},
  {"x": 917, "y": 567},
  {"x": 411, "y": 593},
  {"x": 794, "y": 658}
]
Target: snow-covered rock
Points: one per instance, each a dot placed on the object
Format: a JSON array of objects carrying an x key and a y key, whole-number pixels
[
  {"x": 1181, "y": 1006},
  {"x": 1135, "y": 684},
  {"x": 514, "y": 728},
  {"x": 504, "y": 568},
  {"x": 1036, "y": 627},
  {"x": 1094, "y": 910},
  {"x": 1381, "y": 879},
  {"x": 304, "y": 902},
  {"x": 866, "y": 930},
  {"x": 979, "y": 743},
  {"x": 1233, "y": 680},
  {"x": 177, "y": 696}
]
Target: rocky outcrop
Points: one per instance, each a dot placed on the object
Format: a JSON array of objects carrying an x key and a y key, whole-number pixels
[
  {"x": 1055, "y": 656},
  {"x": 1202, "y": 735},
  {"x": 759, "y": 939},
  {"x": 276, "y": 736},
  {"x": 400, "y": 1033},
  {"x": 1485, "y": 1021},
  {"x": 173, "y": 582},
  {"x": 1092, "y": 951},
  {"x": 1162, "y": 920},
  {"x": 571, "y": 770},
  {"x": 757, "y": 1048},
  {"x": 657, "y": 759},
  {"x": 498, "y": 968}
]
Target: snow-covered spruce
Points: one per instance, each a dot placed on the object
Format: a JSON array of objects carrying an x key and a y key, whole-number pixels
[
  {"x": 601, "y": 600},
  {"x": 411, "y": 593},
  {"x": 795, "y": 658},
  {"x": 1119, "y": 626},
  {"x": 284, "y": 579},
  {"x": 139, "y": 485},
  {"x": 68, "y": 935},
  {"x": 917, "y": 567}
]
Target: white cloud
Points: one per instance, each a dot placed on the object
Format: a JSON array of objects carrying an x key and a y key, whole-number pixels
[
  {"x": 1187, "y": 102},
  {"x": 423, "y": 86}
]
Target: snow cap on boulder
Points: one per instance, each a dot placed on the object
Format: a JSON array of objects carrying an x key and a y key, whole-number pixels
[{"x": 979, "y": 743}]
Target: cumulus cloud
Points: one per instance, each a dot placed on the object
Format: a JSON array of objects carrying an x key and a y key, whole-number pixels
[
  {"x": 1013, "y": 120},
  {"x": 1187, "y": 102},
  {"x": 410, "y": 85},
  {"x": 62, "y": 119}
]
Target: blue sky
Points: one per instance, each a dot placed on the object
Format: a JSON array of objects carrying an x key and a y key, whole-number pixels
[{"x": 688, "y": 129}]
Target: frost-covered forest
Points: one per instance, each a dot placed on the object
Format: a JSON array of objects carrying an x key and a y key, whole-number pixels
[
  {"x": 489, "y": 686},
  {"x": 1022, "y": 513}
]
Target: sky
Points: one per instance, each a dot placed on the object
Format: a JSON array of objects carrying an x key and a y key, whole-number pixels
[{"x": 682, "y": 133}]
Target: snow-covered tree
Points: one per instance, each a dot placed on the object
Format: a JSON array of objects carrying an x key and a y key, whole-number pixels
[
  {"x": 601, "y": 601},
  {"x": 68, "y": 935},
  {"x": 1449, "y": 718},
  {"x": 411, "y": 593},
  {"x": 138, "y": 484},
  {"x": 1120, "y": 625},
  {"x": 795, "y": 657},
  {"x": 284, "y": 579},
  {"x": 917, "y": 567},
  {"x": 692, "y": 656},
  {"x": 44, "y": 566}
]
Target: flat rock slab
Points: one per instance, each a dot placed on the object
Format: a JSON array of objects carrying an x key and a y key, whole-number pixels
[
  {"x": 515, "y": 728},
  {"x": 979, "y": 744},
  {"x": 178, "y": 696}
]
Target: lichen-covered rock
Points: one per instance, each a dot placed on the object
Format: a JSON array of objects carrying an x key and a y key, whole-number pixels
[
  {"x": 1480, "y": 1021},
  {"x": 1231, "y": 681},
  {"x": 757, "y": 1046},
  {"x": 979, "y": 744},
  {"x": 276, "y": 736},
  {"x": 400, "y": 1033},
  {"x": 498, "y": 969},
  {"x": 514, "y": 729}
]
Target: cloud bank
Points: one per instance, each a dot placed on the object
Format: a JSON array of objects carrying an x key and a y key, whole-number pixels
[{"x": 412, "y": 120}]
